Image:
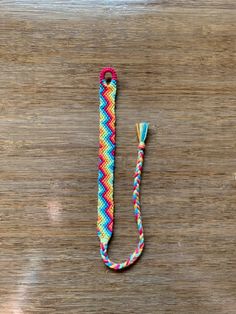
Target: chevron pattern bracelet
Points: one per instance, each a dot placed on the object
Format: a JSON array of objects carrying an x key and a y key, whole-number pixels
[{"x": 106, "y": 167}]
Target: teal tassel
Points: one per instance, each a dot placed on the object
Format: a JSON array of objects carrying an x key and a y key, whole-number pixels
[{"x": 142, "y": 131}]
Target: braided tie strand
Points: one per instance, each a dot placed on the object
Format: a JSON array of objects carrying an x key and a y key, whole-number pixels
[{"x": 106, "y": 169}]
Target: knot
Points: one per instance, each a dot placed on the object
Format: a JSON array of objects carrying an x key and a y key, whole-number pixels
[{"x": 141, "y": 146}]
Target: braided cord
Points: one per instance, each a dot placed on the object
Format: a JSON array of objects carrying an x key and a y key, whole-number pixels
[{"x": 106, "y": 169}]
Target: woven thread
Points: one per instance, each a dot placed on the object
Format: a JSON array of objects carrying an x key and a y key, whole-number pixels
[{"x": 106, "y": 167}]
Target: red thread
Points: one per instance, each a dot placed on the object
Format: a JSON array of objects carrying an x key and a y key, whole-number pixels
[{"x": 108, "y": 70}]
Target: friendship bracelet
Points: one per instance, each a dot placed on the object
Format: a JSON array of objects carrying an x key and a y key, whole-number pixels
[{"x": 106, "y": 168}]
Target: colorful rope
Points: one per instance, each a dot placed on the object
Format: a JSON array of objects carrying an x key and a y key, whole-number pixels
[{"x": 106, "y": 172}]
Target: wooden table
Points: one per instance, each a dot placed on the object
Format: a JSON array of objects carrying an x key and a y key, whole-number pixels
[{"x": 176, "y": 67}]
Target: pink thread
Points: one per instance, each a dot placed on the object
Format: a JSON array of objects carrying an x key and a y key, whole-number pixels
[{"x": 108, "y": 70}]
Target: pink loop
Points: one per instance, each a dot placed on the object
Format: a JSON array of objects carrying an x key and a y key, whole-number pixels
[{"x": 106, "y": 70}]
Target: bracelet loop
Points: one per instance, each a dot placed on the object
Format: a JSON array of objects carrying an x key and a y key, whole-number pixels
[{"x": 108, "y": 70}]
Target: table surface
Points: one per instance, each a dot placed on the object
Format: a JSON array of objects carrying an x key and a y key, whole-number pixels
[{"x": 176, "y": 66}]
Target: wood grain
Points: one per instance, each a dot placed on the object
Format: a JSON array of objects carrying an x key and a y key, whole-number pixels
[{"x": 176, "y": 67}]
